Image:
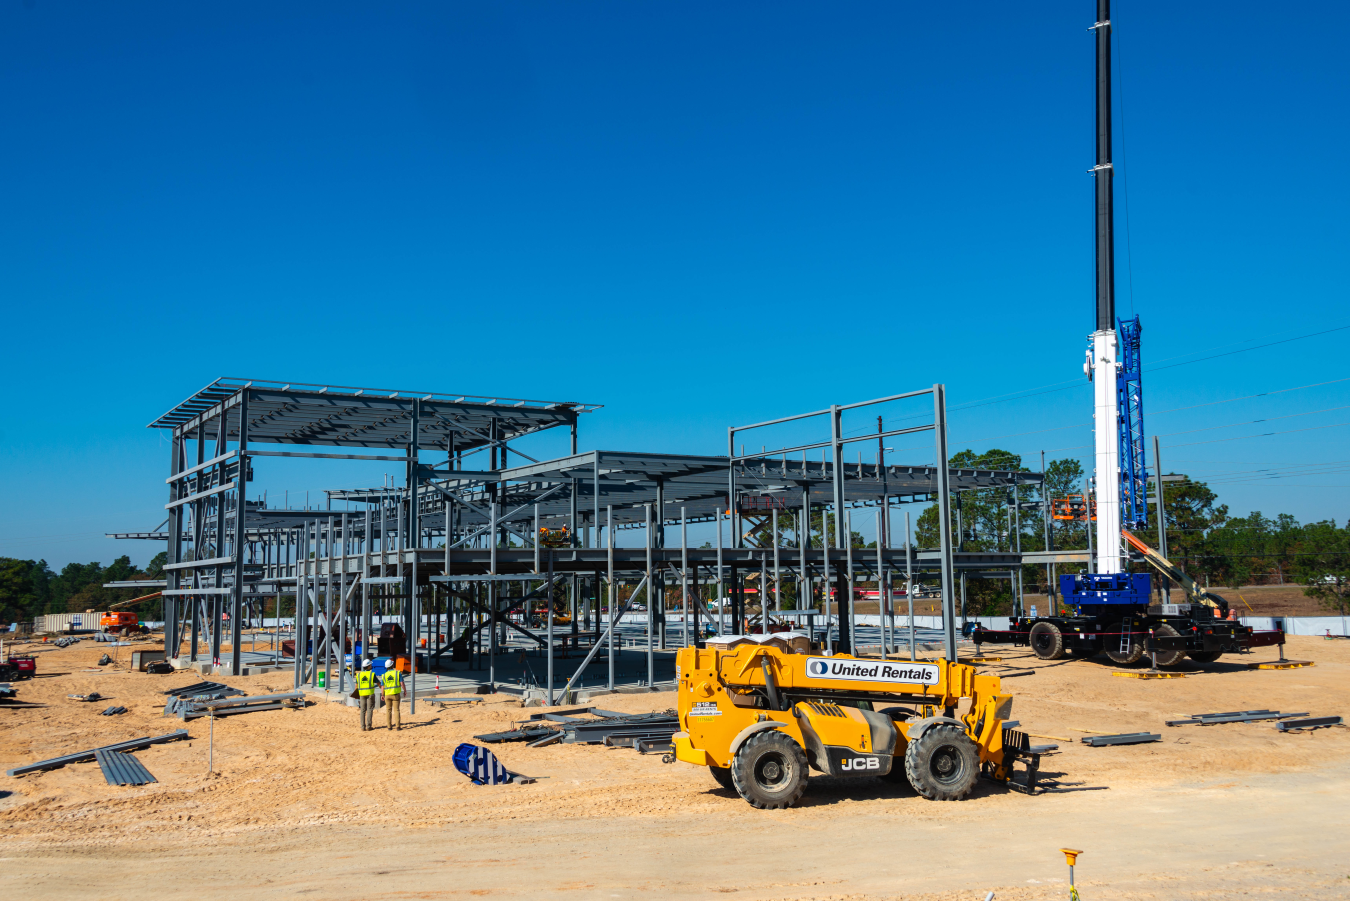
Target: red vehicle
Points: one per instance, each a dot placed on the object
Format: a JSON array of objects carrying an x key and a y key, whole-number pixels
[{"x": 18, "y": 667}]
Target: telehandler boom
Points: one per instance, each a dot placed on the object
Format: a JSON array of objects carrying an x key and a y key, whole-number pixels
[{"x": 758, "y": 716}]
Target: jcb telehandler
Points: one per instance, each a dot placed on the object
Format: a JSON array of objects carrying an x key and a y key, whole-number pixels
[{"x": 758, "y": 717}]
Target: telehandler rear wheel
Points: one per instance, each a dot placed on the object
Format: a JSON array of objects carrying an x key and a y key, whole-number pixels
[
  {"x": 1046, "y": 641},
  {"x": 769, "y": 770},
  {"x": 722, "y": 775},
  {"x": 943, "y": 763}
]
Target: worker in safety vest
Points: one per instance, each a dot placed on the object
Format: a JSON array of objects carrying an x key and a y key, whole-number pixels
[
  {"x": 365, "y": 694},
  {"x": 393, "y": 690}
]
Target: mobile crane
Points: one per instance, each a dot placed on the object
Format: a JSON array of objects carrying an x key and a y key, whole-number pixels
[
  {"x": 1110, "y": 610},
  {"x": 759, "y": 717}
]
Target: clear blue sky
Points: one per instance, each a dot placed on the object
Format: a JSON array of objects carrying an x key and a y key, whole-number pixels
[{"x": 695, "y": 214}]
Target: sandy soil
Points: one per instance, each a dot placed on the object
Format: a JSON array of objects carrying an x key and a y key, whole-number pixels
[{"x": 302, "y": 801}]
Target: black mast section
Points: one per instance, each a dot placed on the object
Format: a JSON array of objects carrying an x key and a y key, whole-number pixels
[{"x": 1106, "y": 239}]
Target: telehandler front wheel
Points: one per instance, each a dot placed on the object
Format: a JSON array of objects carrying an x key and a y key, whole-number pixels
[
  {"x": 942, "y": 764},
  {"x": 769, "y": 770}
]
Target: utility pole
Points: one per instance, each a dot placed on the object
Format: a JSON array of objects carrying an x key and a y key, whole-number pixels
[
  {"x": 1164, "y": 585},
  {"x": 1049, "y": 541}
]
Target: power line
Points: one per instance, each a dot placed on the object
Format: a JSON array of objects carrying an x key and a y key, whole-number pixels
[
  {"x": 1248, "y": 397},
  {"x": 1340, "y": 328},
  {"x": 1263, "y": 435},
  {"x": 1258, "y": 463},
  {"x": 1054, "y": 387},
  {"x": 1253, "y": 421}
]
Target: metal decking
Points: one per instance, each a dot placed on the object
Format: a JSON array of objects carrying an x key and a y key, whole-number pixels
[
  {"x": 121, "y": 768},
  {"x": 80, "y": 756}
]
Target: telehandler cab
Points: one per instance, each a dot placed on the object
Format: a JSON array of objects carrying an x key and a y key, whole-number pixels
[{"x": 757, "y": 716}]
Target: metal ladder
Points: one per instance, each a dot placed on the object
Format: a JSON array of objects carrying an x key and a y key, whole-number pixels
[{"x": 1125, "y": 635}]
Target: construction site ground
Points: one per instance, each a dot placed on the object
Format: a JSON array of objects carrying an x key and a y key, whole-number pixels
[{"x": 302, "y": 802}]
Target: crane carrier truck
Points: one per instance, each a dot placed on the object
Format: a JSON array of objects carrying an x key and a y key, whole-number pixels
[{"x": 1112, "y": 613}]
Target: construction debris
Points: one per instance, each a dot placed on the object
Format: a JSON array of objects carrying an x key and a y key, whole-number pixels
[
  {"x": 203, "y": 688},
  {"x": 473, "y": 700},
  {"x": 654, "y": 746},
  {"x": 1125, "y": 738},
  {"x": 135, "y": 744},
  {"x": 1236, "y": 716},
  {"x": 7, "y": 690},
  {"x": 66, "y": 642},
  {"x": 113, "y": 711},
  {"x": 92, "y": 696},
  {"x": 615, "y": 730},
  {"x": 181, "y": 699},
  {"x": 1314, "y": 722},
  {"x": 569, "y": 715},
  {"x": 192, "y": 708},
  {"x": 626, "y": 729},
  {"x": 123, "y": 769},
  {"x": 526, "y": 733},
  {"x": 104, "y": 660}
]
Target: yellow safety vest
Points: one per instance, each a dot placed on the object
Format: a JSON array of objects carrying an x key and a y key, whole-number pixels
[
  {"x": 393, "y": 682},
  {"x": 365, "y": 683}
]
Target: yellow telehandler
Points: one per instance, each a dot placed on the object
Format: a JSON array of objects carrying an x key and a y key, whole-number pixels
[{"x": 758, "y": 716}]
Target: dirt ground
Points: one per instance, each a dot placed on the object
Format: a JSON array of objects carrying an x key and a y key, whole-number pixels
[{"x": 303, "y": 802}]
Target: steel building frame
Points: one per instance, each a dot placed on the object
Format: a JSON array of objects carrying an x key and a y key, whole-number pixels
[{"x": 492, "y": 560}]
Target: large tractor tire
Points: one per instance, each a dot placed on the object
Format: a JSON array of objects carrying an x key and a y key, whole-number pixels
[
  {"x": 943, "y": 763},
  {"x": 1046, "y": 641},
  {"x": 1129, "y": 657},
  {"x": 723, "y": 776},
  {"x": 1204, "y": 656},
  {"x": 769, "y": 770},
  {"x": 1168, "y": 658}
]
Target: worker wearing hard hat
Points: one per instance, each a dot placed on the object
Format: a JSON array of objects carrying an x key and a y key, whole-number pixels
[
  {"x": 365, "y": 694},
  {"x": 393, "y": 691}
]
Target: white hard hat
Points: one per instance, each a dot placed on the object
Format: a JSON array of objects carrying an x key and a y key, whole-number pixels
[{"x": 366, "y": 662}]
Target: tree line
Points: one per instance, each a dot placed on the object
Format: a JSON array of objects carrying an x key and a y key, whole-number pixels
[
  {"x": 1202, "y": 538},
  {"x": 29, "y": 588}
]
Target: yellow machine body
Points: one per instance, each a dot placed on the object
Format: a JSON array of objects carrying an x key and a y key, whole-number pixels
[{"x": 837, "y": 709}]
